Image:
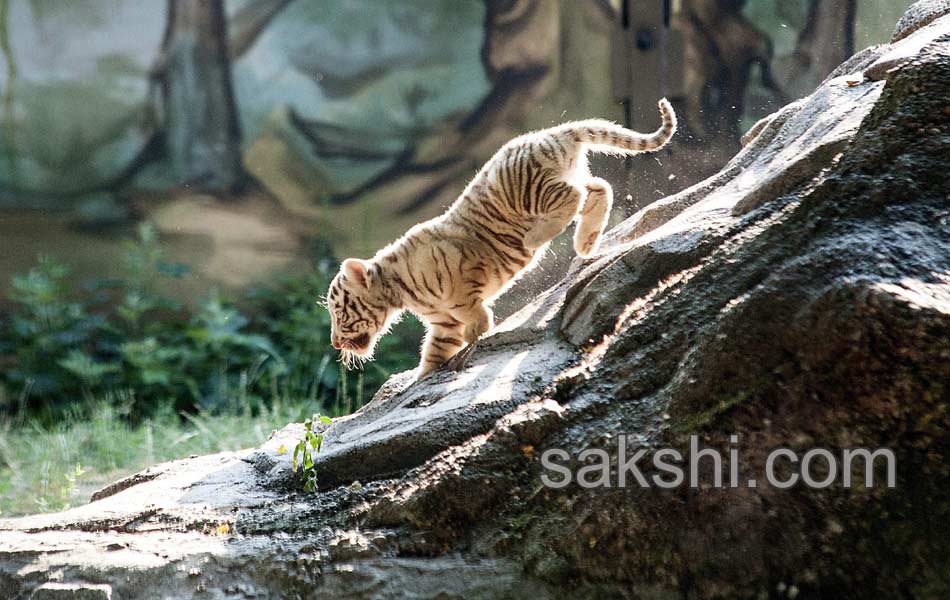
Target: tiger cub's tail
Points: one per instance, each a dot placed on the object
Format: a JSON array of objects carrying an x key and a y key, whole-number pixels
[{"x": 602, "y": 133}]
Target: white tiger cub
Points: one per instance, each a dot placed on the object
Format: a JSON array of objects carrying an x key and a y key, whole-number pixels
[{"x": 450, "y": 269}]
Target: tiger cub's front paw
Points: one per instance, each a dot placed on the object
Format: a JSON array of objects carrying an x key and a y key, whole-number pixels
[{"x": 457, "y": 362}]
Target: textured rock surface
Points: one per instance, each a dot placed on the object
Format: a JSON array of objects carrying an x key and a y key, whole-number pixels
[
  {"x": 920, "y": 14},
  {"x": 799, "y": 298}
]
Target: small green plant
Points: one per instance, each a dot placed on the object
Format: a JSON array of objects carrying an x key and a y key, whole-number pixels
[{"x": 307, "y": 448}]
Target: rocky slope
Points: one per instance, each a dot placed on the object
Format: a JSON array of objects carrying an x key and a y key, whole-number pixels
[{"x": 800, "y": 298}]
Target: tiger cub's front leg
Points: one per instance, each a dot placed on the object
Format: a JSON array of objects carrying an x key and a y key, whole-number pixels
[
  {"x": 478, "y": 320},
  {"x": 445, "y": 338}
]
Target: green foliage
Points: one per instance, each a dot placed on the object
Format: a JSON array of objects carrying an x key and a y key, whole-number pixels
[
  {"x": 124, "y": 339},
  {"x": 307, "y": 448},
  {"x": 50, "y": 335}
]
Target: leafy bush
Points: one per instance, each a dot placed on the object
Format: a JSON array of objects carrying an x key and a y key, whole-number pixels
[{"x": 122, "y": 339}]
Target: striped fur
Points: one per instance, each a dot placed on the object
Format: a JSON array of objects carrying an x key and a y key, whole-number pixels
[{"x": 450, "y": 269}]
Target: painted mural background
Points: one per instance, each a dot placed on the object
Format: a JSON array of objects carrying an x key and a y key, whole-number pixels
[{"x": 355, "y": 118}]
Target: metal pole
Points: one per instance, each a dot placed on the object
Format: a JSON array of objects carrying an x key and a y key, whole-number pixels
[
  {"x": 664, "y": 55},
  {"x": 627, "y": 100}
]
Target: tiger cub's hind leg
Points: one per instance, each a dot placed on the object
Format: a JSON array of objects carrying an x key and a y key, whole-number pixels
[
  {"x": 557, "y": 209},
  {"x": 593, "y": 216}
]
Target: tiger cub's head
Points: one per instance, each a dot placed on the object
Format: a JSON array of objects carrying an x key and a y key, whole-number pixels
[{"x": 358, "y": 311}]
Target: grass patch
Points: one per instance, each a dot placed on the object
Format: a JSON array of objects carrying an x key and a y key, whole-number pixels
[{"x": 46, "y": 469}]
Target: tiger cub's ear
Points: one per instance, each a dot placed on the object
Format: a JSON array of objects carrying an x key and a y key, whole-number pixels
[{"x": 357, "y": 270}]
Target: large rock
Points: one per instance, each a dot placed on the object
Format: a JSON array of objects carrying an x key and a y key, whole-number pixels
[{"x": 800, "y": 298}]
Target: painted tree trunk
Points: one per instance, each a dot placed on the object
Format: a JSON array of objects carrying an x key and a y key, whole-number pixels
[
  {"x": 826, "y": 41},
  {"x": 200, "y": 120}
]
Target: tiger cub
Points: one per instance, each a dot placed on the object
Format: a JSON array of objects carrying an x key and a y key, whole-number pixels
[{"x": 450, "y": 269}]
